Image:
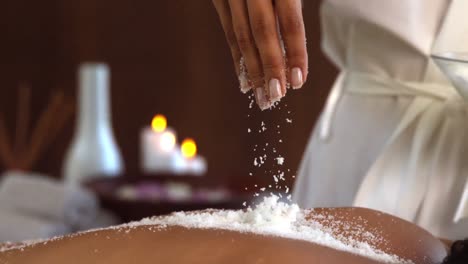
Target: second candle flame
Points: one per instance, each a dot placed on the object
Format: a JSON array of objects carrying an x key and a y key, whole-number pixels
[{"x": 189, "y": 148}]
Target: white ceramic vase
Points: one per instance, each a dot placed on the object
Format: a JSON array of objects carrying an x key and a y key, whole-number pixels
[{"x": 93, "y": 151}]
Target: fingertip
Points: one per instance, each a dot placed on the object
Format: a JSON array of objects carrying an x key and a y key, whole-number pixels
[
  {"x": 275, "y": 90},
  {"x": 296, "y": 78},
  {"x": 244, "y": 83},
  {"x": 261, "y": 98}
]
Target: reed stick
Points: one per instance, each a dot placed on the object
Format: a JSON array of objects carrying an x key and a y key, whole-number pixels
[
  {"x": 6, "y": 155},
  {"x": 60, "y": 114},
  {"x": 22, "y": 119},
  {"x": 41, "y": 130}
]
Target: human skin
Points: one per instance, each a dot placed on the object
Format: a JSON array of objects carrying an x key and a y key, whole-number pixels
[
  {"x": 252, "y": 29},
  {"x": 156, "y": 244}
]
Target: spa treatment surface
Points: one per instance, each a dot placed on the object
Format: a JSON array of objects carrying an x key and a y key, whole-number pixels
[{"x": 272, "y": 232}]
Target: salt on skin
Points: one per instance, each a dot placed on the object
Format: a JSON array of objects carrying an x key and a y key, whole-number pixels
[{"x": 273, "y": 218}]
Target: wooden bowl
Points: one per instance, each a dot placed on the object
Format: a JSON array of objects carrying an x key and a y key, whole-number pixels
[{"x": 136, "y": 208}]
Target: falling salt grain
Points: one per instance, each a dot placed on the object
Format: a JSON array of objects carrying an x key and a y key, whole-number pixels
[
  {"x": 248, "y": 130},
  {"x": 281, "y": 176},
  {"x": 280, "y": 160},
  {"x": 262, "y": 189},
  {"x": 263, "y": 126},
  {"x": 288, "y": 120}
]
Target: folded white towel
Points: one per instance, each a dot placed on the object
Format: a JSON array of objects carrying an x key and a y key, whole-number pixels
[
  {"x": 35, "y": 194},
  {"x": 15, "y": 227}
]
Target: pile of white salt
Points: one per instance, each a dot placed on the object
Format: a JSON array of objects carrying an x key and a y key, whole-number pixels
[{"x": 273, "y": 218}]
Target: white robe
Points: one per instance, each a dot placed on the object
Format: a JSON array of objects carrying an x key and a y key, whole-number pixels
[{"x": 392, "y": 135}]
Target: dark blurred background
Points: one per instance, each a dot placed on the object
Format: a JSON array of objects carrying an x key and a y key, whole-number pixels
[{"x": 165, "y": 56}]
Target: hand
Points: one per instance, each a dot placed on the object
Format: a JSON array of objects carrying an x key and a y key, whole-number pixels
[{"x": 255, "y": 31}]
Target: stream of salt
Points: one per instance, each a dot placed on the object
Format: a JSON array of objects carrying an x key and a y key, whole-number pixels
[{"x": 268, "y": 159}]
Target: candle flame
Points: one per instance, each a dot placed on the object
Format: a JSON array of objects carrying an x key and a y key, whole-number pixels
[
  {"x": 188, "y": 148},
  {"x": 159, "y": 123},
  {"x": 168, "y": 141}
]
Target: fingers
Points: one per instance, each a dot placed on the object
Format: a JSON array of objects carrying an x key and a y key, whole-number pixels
[
  {"x": 248, "y": 49},
  {"x": 263, "y": 24},
  {"x": 252, "y": 30},
  {"x": 224, "y": 13},
  {"x": 293, "y": 33}
]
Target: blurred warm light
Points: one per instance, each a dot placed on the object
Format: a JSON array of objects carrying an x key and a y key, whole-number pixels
[
  {"x": 159, "y": 123},
  {"x": 189, "y": 148},
  {"x": 168, "y": 141}
]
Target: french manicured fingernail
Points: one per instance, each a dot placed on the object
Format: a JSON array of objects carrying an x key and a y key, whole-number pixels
[
  {"x": 262, "y": 100},
  {"x": 275, "y": 90},
  {"x": 296, "y": 78},
  {"x": 244, "y": 83}
]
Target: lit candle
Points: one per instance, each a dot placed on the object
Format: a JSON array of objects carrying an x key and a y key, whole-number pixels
[
  {"x": 194, "y": 164},
  {"x": 158, "y": 146}
]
